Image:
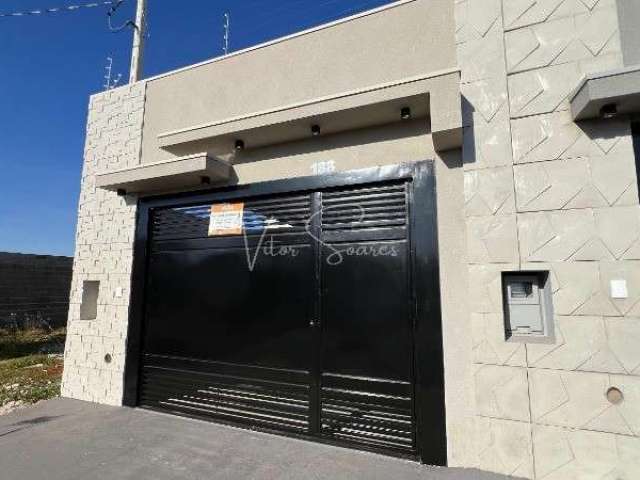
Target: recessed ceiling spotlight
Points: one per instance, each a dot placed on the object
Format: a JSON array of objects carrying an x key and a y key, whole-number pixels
[{"x": 609, "y": 110}]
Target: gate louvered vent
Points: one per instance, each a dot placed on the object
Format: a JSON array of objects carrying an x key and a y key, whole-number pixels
[
  {"x": 365, "y": 207},
  {"x": 232, "y": 393},
  {"x": 275, "y": 215},
  {"x": 372, "y": 412}
]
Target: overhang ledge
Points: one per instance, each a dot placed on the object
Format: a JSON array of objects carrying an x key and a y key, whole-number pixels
[
  {"x": 177, "y": 173},
  {"x": 436, "y": 95},
  {"x": 620, "y": 87}
]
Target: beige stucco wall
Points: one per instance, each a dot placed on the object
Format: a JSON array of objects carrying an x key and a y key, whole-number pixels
[
  {"x": 544, "y": 193},
  {"x": 410, "y": 39}
]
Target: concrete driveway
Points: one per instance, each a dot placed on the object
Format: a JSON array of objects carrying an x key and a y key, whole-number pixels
[{"x": 67, "y": 440}]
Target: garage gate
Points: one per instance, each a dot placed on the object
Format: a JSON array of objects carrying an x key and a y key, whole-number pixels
[{"x": 319, "y": 318}]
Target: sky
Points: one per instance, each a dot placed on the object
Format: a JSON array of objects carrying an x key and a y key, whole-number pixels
[{"x": 50, "y": 64}]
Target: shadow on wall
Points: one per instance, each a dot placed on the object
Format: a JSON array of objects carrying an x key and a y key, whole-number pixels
[
  {"x": 605, "y": 132},
  {"x": 348, "y": 140},
  {"x": 351, "y": 141},
  {"x": 534, "y": 135},
  {"x": 469, "y": 135}
]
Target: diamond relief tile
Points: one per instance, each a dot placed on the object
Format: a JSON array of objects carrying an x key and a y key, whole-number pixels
[
  {"x": 516, "y": 9},
  {"x": 520, "y": 44},
  {"x": 483, "y": 58},
  {"x": 576, "y": 183},
  {"x": 590, "y": 3},
  {"x": 489, "y": 191},
  {"x": 544, "y": 90},
  {"x": 579, "y": 234},
  {"x": 577, "y": 340},
  {"x": 489, "y": 344},
  {"x": 554, "y": 236},
  {"x": 483, "y": 14},
  {"x": 551, "y": 185},
  {"x": 504, "y": 447},
  {"x": 537, "y": 46},
  {"x": 618, "y": 228},
  {"x": 492, "y": 239},
  {"x": 555, "y": 136},
  {"x": 487, "y": 144},
  {"x": 486, "y": 97},
  {"x": 607, "y": 136},
  {"x": 578, "y": 400},
  {"x": 521, "y": 13},
  {"x": 461, "y": 14},
  {"x": 577, "y": 289},
  {"x": 565, "y": 40},
  {"x": 564, "y": 454},
  {"x": 597, "y": 29},
  {"x": 485, "y": 287},
  {"x": 502, "y": 392},
  {"x": 614, "y": 178},
  {"x": 623, "y": 336}
]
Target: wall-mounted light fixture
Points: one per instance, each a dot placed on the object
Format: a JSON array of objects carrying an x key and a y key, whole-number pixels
[
  {"x": 405, "y": 113},
  {"x": 610, "y": 110},
  {"x": 315, "y": 130},
  {"x": 121, "y": 192},
  {"x": 204, "y": 180},
  {"x": 239, "y": 145}
]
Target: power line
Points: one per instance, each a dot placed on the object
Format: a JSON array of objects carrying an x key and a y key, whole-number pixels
[
  {"x": 52, "y": 10},
  {"x": 112, "y": 10}
]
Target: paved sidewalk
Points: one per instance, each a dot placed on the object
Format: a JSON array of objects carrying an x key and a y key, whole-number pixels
[{"x": 68, "y": 440}]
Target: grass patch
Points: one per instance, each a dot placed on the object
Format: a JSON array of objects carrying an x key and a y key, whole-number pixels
[
  {"x": 30, "y": 379},
  {"x": 30, "y": 365}
]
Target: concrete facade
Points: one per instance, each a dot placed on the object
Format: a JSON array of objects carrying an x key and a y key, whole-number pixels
[{"x": 530, "y": 189}]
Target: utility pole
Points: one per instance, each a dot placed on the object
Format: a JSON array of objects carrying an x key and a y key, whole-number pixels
[
  {"x": 225, "y": 39},
  {"x": 138, "y": 43}
]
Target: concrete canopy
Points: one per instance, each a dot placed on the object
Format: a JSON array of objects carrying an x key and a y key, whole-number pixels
[{"x": 617, "y": 87}]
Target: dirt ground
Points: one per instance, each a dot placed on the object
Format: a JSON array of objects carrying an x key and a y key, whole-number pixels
[{"x": 30, "y": 367}]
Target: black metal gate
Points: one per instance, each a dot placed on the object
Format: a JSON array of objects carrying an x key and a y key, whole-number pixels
[{"x": 308, "y": 321}]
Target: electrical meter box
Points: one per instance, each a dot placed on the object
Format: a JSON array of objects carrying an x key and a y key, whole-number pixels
[{"x": 527, "y": 304}]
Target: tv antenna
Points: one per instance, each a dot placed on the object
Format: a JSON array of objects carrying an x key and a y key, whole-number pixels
[
  {"x": 225, "y": 38},
  {"x": 109, "y": 82}
]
